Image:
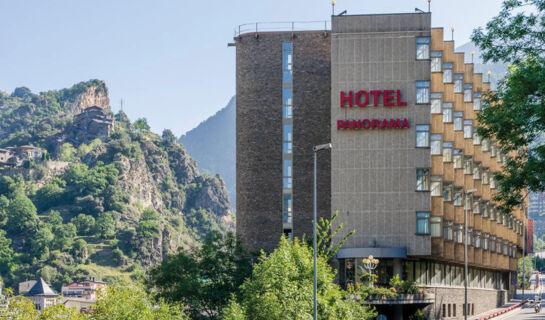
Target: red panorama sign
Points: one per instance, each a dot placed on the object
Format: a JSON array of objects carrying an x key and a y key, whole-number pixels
[{"x": 362, "y": 99}]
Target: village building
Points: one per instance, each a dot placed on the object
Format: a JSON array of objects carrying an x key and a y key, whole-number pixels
[
  {"x": 42, "y": 295},
  {"x": 82, "y": 294},
  {"x": 94, "y": 122}
]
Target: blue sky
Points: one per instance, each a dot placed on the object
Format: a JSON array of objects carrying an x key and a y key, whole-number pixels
[{"x": 167, "y": 59}]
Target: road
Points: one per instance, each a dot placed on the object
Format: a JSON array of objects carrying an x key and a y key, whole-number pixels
[{"x": 528, "y": 312}]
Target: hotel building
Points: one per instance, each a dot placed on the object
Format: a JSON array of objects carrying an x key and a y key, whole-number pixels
[{"x": 399, "y": 106}]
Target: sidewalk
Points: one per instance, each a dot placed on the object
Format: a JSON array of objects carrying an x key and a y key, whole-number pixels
[{"x": 511, "y": 305}]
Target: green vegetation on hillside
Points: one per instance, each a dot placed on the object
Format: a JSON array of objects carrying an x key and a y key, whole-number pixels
[{"x": 107, "y": 209}]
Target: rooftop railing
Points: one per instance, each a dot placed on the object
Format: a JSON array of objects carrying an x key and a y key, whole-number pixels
[{"x": 293, "y": 26}]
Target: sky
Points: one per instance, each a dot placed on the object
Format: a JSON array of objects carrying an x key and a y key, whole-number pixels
[{"x": 168, "y": 59}]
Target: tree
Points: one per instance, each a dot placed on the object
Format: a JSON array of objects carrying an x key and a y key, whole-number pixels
[
  {"x": 105, "y": 225},
  {"x": 22, "y": 215},
  {"x": 148, "y": 225},
  {"x": 325, "y": 235},
  {"x": 205, "y": 278},
  {"x": 60, "y": 312},
  {"x": 168, "y": 136},
  {"x": 141, "y": 125},
  {"x": 6, "y": 254},
  {"x": 281, "y": 288},
  {"x": 84, "y": 223},
  {"x": 50, "y": 194},
  {"x": 19, "y": 308},
  {"x": 66, "y": 152},
  {"x": 125, "y": 302},
  {"x": 515, "y": 114}
]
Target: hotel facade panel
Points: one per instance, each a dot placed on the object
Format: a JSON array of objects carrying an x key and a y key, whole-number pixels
[{"x": 399, "y": 106}]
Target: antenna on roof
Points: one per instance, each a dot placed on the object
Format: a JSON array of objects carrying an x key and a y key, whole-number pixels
[{"x": 429, "y": 5}]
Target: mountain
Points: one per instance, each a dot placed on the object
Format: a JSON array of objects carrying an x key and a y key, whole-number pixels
[
  {"x": 497, "y": 70},
  {"x": 85, "y": 193},
  {"x": 213, "y": 145}
]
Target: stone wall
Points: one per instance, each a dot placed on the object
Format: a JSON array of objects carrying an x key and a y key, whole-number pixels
[{"x": 479, "y": 301}]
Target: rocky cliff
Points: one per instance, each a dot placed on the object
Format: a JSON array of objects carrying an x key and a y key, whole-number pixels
[{"x": 104, "y": 206}]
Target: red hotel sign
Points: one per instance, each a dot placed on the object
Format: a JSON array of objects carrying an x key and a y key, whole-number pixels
[{"x": 362, "y": 99}]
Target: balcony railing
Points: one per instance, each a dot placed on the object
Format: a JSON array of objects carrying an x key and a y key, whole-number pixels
[{"x": 293, "y": 26}]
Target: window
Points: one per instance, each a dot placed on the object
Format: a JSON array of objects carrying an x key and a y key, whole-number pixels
[
  {"x": 469, "y": 236},
  {"x": 477, "y": 171},
  {"x": 422, "y": 92},
  {"x": 435, "y": 144},
  {"x": 422, "y": 135},
  {"x": 287, "y": 174},
  {"x": 447, "y": 151},
  {"x": 447, "y": 191},
  {"x": 505, "y": 247},
  {"x": 476, "y": 206},
  {"x": 422, "y": 179},
  {"x": 447, "y": 112},
  {"x": 436, "y": 100},
  {"x": 476, "y": 138},
  {"x": 435, "y": 227},
  {"x": 457, "y": 196},
  {"x": 458, "y": 82},
  {"x": 458, "y": 121},
  {"x": 486, "y": 176},
  {"x": 493, "y": 149},
  {"x": 458, "y": 158},
  {"x": 486, "y": 237},
  {"x": 493, "y": 244},
  {"x": 468, "y": 165},
  {"x": 436, "y": 61},
  {"x": 287, "y": 148},
  {"x": 498, "y": 246},
  {"x": 422, "y": 48},
  {"x": 484, "y": 209},
  {"x": 288, "y": 205},
  {"x": 435, "y": 186},
  {"x": 468, "y": 92},
  {"x": 485, "y": 143},
  {"x": 288, "y": 107},
  {"x": 492, "y": 182},
  {"x": 477, "y": 101},
  {"x": 492, "y": 212},
  {"x": 458, "y": 233},
  {"x": 447, "y": 72},
  {"x": 423, "y": 223},
  {"x": 477, "y": 239},
  {"x": 447, "y": 230},
  {"x": 468, "y": 129}
]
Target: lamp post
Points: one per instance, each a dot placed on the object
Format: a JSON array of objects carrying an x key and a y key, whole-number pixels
[
  {"x": 452, "y": 32},
  {"x": 333, "y": 7},
  {"x": 469, "y": 192},
  {"x": 489, "y": 73},
  {"x": 472, "y": 55},
  {"x": 370, "y": 263},
  {"x": 429, "y": 5},
  {"x": 314, "y": 215}
]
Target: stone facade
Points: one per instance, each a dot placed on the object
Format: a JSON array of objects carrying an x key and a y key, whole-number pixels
[
  {"x": 373, "y": 171},
  {"x": 259, "y": 133}
]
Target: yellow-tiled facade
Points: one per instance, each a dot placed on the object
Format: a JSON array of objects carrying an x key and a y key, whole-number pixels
[{"x": 483, "y": 155}]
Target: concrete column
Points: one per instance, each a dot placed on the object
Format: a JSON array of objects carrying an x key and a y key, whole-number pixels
[{"x": 398, "y": 268}]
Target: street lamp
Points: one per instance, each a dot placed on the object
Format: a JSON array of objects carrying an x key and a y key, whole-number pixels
[
  {"x": 316, "y": 149},
  {"x": 469, "y": 192},
  {"x": 370, "y": 263}
]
